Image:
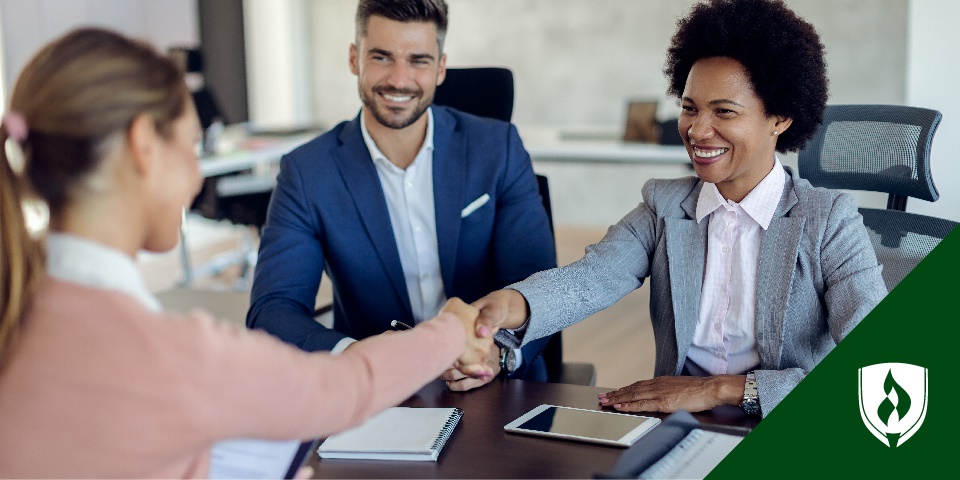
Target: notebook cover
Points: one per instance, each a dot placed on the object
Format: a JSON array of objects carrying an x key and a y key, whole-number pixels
[{"x": 398, "y": 433}]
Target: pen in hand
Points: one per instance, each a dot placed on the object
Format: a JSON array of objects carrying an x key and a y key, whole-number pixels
[{"x": 399, "y": 325}]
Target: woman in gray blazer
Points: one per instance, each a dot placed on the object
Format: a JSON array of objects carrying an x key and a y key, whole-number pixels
[{"x": 755, "y": 275}]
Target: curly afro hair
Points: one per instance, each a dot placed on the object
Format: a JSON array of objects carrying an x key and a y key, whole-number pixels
[{"x": 781, "y": 52}]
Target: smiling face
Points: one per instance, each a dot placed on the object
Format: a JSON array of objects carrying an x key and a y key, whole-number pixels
[
  {"x": 398, "y": 66},
  {"x": 729, "y": 137}
]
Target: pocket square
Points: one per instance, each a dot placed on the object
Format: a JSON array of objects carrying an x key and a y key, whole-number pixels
[{"x": 474, "y": 205}]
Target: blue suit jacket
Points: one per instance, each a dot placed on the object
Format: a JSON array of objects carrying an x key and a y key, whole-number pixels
[{"x": 328, "y": 213}]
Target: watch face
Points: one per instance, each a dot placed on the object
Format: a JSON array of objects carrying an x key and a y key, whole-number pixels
[{"x": 750, "y": 406}]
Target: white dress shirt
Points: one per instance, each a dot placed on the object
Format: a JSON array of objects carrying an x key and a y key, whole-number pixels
[
  {"x": 410, "y": 203},
  {"x": 409, "y": 194},
  {"x": 725, "y": 338},
  {"x": 75, "y": 259}
]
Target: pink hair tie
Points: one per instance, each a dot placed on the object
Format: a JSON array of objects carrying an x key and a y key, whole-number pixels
[{"x": 16, "y": 126}]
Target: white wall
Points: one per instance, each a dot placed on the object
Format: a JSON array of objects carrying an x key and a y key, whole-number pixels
[
  {"x": 933, "y": 78},
  {"x": 26, "y": 25},
  {"x": 279, "y": 66}
]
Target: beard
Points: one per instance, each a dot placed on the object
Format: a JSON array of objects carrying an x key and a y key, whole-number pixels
[{"x": 391, "y": 117}]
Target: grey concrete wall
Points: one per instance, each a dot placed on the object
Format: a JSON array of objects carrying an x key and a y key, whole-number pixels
[{"x": 577, "y": 62}]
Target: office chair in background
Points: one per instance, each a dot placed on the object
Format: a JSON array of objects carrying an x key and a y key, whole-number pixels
[
  {"x": 488, "y": 92},
  {"x": 558, "y": 371},
  {"x": 882, "y": 148},
  {"x": 669, "y": 134},
  {"x": 483, "y": 91}
]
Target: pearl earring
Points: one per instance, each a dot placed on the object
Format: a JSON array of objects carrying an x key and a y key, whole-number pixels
[{"x": 775, "y": 133}]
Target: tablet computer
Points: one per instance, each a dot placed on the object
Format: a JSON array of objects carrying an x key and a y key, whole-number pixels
[
  {"x": 250, "y": 458},
  {"x": 595, "y": 426}
]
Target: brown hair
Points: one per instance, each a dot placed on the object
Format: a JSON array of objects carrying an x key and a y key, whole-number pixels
[
  {"x": 433, "y": 11},
  {"x": 77, "y": 95}
]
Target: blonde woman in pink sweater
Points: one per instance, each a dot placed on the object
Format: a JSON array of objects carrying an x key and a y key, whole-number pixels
[{"x": 95, "y": 380}]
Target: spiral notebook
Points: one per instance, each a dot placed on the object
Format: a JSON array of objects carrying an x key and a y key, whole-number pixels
[{"x": 398, "y": 433}]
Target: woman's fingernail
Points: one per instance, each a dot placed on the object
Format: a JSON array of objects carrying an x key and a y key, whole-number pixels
[
  {"x": 616, "y": 405},
  {"x": 604, "y": 400},
  {"x": 601, "y": 395}
]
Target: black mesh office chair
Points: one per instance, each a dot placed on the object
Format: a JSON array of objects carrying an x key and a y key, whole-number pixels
[
  {"x": 882, "y": 148},
  {"x": 488, "y": 92}
]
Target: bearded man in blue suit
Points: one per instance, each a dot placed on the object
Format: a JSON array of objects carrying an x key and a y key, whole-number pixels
[{"x": 404, "y": 206}]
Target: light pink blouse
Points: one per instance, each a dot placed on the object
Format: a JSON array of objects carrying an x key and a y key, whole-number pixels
[{"x": 100, "y": 386}]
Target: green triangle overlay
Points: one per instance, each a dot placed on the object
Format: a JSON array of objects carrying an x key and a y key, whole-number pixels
[{"x": 816, "y": 431}]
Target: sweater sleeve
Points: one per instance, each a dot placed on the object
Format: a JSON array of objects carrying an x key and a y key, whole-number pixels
[{"x": 239, "y": 383}]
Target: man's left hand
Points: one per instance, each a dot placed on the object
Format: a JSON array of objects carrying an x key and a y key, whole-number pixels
[
  {"x": 457, "y": 381},
  {"x": 670, "y": 393}
]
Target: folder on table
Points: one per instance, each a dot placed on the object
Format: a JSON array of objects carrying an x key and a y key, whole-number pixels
[
  {"x": 680, "y": 447},
  {"x": 398, "y": 433}
]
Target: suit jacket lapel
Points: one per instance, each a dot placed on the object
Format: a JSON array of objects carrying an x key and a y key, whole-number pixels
[
  {"x": 779, "y": 245},
  {"x": 686, "y": 250},
  {"x": 449, "y": 181},
  {"x": 363, "y": 183}
]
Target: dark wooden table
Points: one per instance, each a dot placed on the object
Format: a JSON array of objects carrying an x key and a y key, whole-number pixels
[{"x": 479, "y": 447}]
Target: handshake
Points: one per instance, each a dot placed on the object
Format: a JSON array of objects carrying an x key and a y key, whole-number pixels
[
  {"x": 480, "y": 360},
  {"x": 474, "y": 361}
]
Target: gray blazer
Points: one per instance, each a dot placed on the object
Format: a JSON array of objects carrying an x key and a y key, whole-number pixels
[{"x": 818, "y": 277}]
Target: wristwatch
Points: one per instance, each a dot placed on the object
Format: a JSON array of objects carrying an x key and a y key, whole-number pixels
[
  {"x": 508, "y": 361},
  {"x": 751, "y": 400}
]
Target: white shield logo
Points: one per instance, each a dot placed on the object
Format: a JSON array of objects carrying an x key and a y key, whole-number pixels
[{"x": 893, "y": 400}]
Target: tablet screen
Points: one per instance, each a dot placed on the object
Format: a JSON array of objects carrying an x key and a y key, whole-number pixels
[
  {"x": 248, "y": 458},
  {"x": 583, "y": 423}
]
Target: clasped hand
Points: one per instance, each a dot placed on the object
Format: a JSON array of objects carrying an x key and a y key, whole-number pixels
[
  {"x": 502, "y": 308},
  {"x": 473, "y": 361},
  {"x": 505, "y": 308}
]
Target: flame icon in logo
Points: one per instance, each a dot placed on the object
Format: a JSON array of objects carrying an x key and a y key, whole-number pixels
[
  {"x": 896, "y": 401},
  {"x": 887, "y": 409}
]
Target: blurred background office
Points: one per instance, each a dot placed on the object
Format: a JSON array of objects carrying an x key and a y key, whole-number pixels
[{"x": 577, "y": 63}]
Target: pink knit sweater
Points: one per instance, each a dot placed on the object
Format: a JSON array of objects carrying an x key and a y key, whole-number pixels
[{"x": 98, "y": 386}]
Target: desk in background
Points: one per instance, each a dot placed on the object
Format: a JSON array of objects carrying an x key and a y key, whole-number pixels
[
  {"x": 479, "y": 447},
  {"x": 259, "y": 154},
  {"x": 543, "y": 144},
  {"x": 595, "y": 177},
  {"x": 254, "y": 152},
  {"x": 547, "y": 144}
]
